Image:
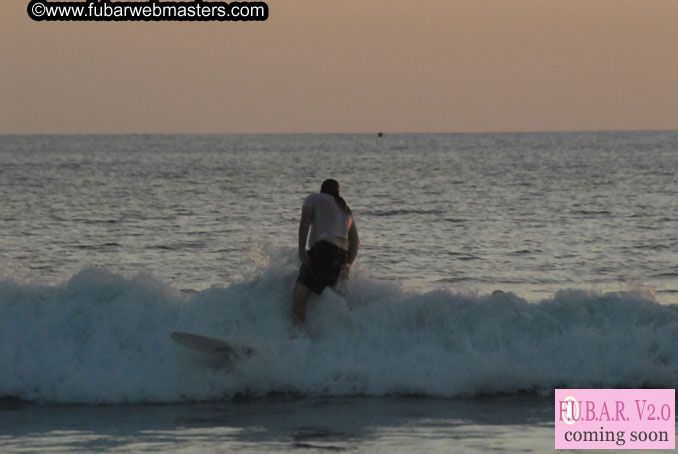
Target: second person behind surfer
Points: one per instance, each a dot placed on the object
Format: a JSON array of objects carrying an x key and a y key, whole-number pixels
[{"x": 333, "y": 244}]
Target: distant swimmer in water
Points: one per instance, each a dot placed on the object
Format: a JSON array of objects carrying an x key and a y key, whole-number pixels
[{"x": 333, "y": 245}]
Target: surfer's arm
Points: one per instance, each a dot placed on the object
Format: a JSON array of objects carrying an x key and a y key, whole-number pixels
[
  {"x": 353, "y": 243},
  {"x": 304, "y": 225}
]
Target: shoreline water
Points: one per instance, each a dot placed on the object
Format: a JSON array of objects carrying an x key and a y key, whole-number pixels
[{"x": 278, "y": 424}]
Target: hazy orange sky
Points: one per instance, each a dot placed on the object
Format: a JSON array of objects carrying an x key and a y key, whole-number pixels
[{"x": 349, "y": 66}]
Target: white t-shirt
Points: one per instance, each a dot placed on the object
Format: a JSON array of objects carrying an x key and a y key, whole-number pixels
[{"x": 328, "y": 221}]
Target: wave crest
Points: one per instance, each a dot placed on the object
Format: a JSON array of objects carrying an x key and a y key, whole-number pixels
[{"x": 101, "y": 337}]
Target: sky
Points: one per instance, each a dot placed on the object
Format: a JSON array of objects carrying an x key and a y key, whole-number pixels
[{"x": 349, "y": 66}]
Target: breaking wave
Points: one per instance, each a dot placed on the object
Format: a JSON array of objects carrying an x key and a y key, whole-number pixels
[{"x": 101, "y": 337}]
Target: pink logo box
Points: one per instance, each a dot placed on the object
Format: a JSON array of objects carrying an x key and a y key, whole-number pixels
[{"x": 615, "y": 419}]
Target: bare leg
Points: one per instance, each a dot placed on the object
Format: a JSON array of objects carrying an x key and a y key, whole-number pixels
[{"x": 299, "y": 300}]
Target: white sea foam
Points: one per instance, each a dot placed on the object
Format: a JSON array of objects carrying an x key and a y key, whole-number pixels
[{"x": 102, "y": 337}]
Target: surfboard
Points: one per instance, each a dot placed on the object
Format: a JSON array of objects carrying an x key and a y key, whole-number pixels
[{"x": 228, "y": 351}]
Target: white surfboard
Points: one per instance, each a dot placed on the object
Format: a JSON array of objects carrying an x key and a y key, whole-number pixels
[{"x": 228, "y": 351}]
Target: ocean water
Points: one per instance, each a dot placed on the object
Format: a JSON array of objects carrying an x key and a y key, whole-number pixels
[{"x": 109, "y": 243}]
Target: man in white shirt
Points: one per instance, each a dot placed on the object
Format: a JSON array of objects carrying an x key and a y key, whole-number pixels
[{"x": 333, "y": 245}]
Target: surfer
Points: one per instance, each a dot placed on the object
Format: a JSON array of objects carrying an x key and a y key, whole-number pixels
[{"x": 333, "y": 245}]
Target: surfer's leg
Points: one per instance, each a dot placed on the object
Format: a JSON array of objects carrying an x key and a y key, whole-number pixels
[{"x": 299, "y": 300}]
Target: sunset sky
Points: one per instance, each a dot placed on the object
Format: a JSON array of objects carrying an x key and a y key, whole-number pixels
[{"x": 349, "y": 66}]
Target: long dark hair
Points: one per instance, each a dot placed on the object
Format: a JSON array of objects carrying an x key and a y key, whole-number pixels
[{"x": 331, "y": 187}]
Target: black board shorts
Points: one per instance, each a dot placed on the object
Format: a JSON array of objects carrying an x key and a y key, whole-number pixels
[{"x": 327, "y": 261}]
